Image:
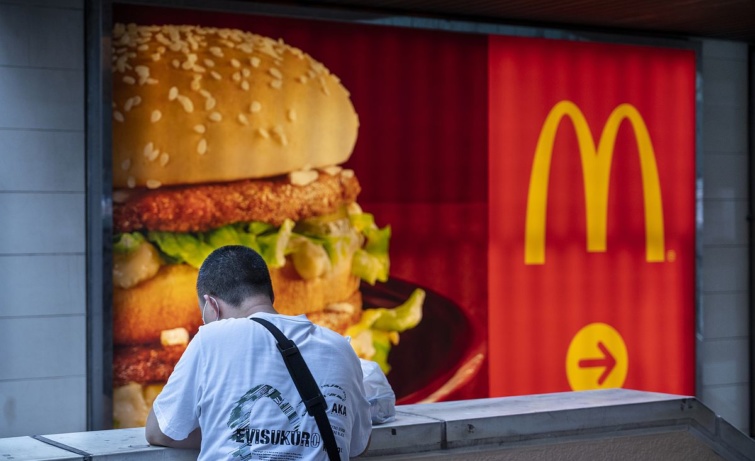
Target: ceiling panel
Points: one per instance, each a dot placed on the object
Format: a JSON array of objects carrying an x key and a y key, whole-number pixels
[{"x": 726, "y": 19}]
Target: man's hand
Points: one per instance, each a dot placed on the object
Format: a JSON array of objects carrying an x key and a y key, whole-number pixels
[{"x": 155, "y": 435}]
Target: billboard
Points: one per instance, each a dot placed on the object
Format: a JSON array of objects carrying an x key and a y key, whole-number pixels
[
  {"x": 533, "y": 198},
  {"x": 592, "y": 254}
]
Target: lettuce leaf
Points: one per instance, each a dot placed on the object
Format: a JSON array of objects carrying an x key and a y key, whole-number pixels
[
  {"x": 371, "y": 263},
  {"x": 127, "y": 242},
  {"x": 193, "y": 248},
  {"x": 180, "y": 247},
  {"x": 383, "y": 325},
  {"x": 273, "y": 244},
  {"x": 382, "y": 341},
  {"x": 342, "y": 235}
]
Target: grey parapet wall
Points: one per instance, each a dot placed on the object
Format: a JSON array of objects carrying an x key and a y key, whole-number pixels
[{"x": 616, "y": 424}]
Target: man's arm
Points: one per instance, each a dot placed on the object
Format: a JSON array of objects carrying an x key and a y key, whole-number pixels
[{"x": 155, "y": 435}]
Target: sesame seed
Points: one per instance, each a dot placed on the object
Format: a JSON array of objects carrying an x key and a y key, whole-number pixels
[
  {"x": 291, "y": 115},
  {"x": 151, "y": 81},
  {"x": 263, "y": 132},
  {"x": 186, "y": 103},
  {"x": 129, "y": 80},
  {"x": 236, "y": 76},
  {"x": 216, "y": 51},
  {"x": 118, "y": 116},
  {"x": 156, "y": 115},
  {"x": 255, "y": 107},
  {"x": 205, "y": 93},
  {"x": 275, "y": 73},
  {"x": 129, "y": 104},
  {"x": 155, "y": 57},
  {"x": 202, "y": 146},
  {"x": 280, "y": 135},
  {"x": 164, "y": 158},
  {"x": 172, "y": 93},
  {"x": 120, "y": 65},
  {"x": 254, "y": 61},
  {"x": 148, "y": 149},
  {"x": 142, "y": 71},
  {"x": 245, "y": 85},
  {"x": 153, "y": 184},
  {"x": 209, "y": 103},
  {"x": 131, "y": 182},
  {"x": 216, "y": 117},
  {"x": 332, "y": 170},
  {"x": 243, "y": 119},
  {"x": 176, "y": 63},
  {"x": 199, "y": 129},
  {"x": 215, "y": 75},
  {"x": 126, "y": 164},
  {"x": 303, "y": 78},
  {"x": 209, "y": 63},
  {"x": 323, "y": 87},
  {"x": 153, "y": 155},
  {"x": 235, "y": 63},
  {"x": 276, "y": 84},
  {"x": 245, "y": 72},
  {"x": 195, "y": 85}
]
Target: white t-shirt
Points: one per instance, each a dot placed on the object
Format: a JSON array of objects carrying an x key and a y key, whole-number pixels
[{"x": 232, "y": 382}]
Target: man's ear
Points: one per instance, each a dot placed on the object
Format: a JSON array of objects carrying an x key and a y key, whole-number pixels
[{"x": 215, "y": 306}]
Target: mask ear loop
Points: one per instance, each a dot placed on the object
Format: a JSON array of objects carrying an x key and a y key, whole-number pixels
[{"x": 217, "y": 308}]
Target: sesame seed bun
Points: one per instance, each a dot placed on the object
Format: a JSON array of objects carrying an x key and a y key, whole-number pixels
[{"x": 195, "y": 105}]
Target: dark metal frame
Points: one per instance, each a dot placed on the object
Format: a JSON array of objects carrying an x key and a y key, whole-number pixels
[
  {"x": 99, "y": 161},
  {"x": 99, "y": 215},
  {"x": 751, "y": 182}
]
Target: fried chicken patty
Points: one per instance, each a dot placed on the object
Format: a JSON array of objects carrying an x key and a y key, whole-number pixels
[
  {"x": 205, "y": 207},
  {"x": 144, "y": 364},
  {"x": 339, "y": 316},
  {"x": 154, "y": 363}
]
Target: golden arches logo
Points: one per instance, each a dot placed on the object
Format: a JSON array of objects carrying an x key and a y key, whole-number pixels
[{"x": 596, "y": 174}]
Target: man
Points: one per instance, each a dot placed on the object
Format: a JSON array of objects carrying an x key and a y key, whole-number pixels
[{"x": 231, "y": 395}]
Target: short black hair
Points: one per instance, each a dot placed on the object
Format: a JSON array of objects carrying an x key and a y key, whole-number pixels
[{"x": 234, "y": 273}]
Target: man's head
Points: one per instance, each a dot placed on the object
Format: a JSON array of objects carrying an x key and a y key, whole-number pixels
[{"x": 234, "y": 274}]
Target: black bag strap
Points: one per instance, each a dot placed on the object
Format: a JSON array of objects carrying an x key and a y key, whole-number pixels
[{"x": 306, "y": 385}]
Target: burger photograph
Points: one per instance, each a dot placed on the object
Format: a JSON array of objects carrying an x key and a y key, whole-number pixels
[{"x": 225, "y": 137}]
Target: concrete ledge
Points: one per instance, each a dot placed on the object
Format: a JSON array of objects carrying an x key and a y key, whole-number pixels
[{"x": 467, "y": 429}]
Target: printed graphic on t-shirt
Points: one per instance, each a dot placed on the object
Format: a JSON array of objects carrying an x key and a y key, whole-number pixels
[{"x": 292, "y": 440}]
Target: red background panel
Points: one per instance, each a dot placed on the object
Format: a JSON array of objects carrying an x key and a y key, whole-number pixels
[{"x": 535, "y": 310}]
